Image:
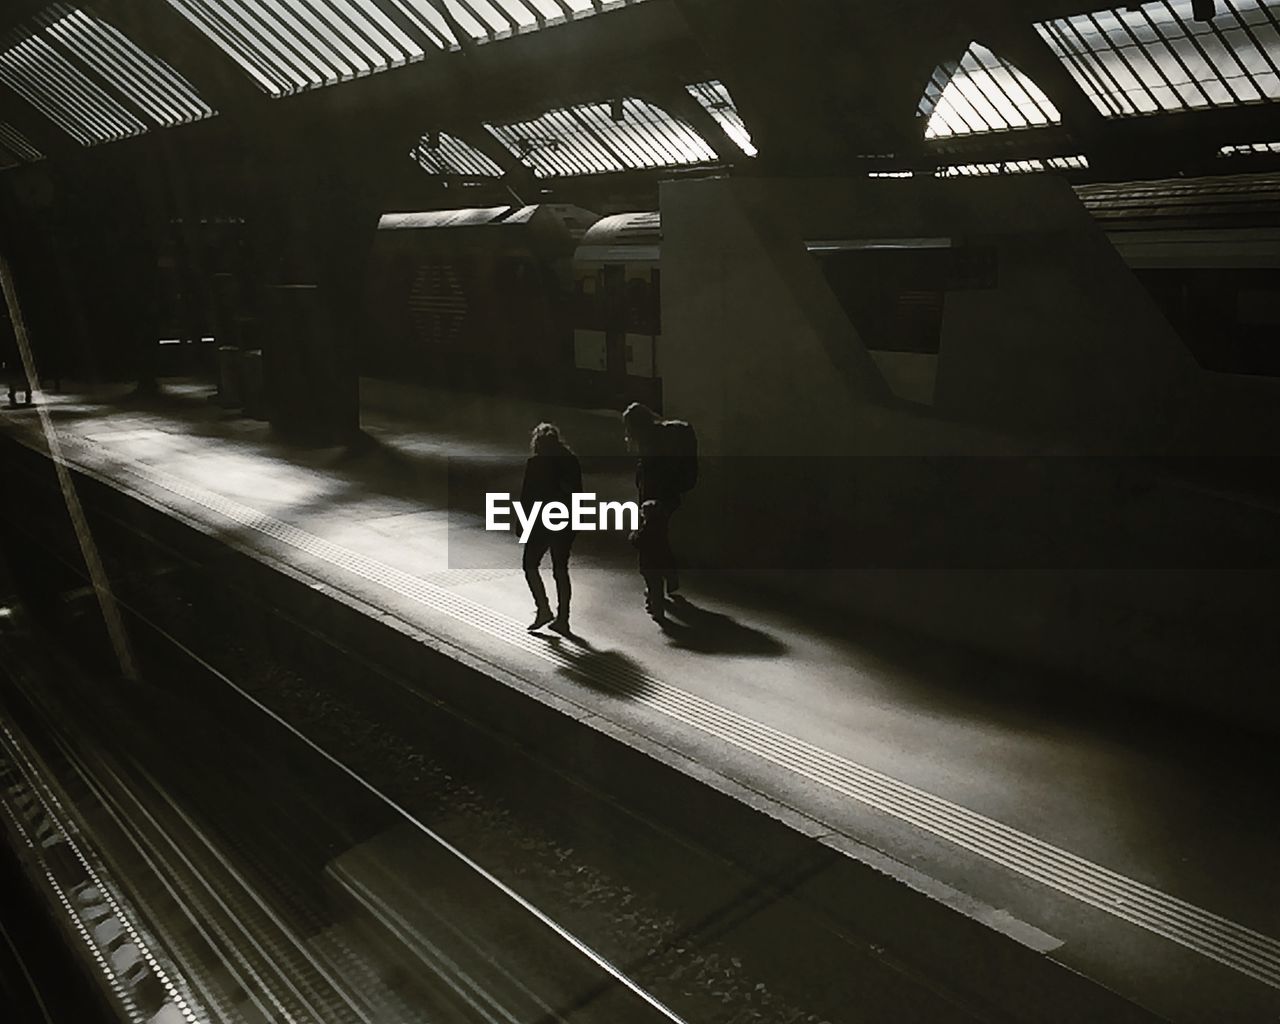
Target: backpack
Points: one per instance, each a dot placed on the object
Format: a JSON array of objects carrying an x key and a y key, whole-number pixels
[{"x": 682, "y": 442}]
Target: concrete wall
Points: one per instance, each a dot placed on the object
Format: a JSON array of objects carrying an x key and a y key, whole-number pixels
[{"x": 989, "y": 518}]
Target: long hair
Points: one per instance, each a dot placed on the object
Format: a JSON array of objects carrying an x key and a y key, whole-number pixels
[{"x": 546, "y": 440}]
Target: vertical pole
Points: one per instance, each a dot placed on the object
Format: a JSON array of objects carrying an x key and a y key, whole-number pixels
[{"x": 88, "y": 548}]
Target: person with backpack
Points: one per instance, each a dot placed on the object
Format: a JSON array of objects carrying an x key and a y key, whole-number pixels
[
  {"x": 653, "y": 554},
  {"x": 552, "y": 473},
  {"x": 666, "y": 470}
]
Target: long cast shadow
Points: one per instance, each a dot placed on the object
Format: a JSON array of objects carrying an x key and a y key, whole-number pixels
[
  {"x": 606, "y": 671},
  {"x": 699, "y": 629}
]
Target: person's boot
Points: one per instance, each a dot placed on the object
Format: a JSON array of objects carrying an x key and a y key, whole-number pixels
[
  {"x": 561, "y": 623},
  {"x": 655, "y": 605},
  {"x": 541, "y": 618}
]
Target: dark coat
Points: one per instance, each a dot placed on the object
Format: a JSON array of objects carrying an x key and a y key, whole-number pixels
[{"x": 551, "y": 478}]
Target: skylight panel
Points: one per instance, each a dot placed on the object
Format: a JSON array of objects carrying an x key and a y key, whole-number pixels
[
  {"x": 556, "y": 144},
  {"x": 548, "y": 10},
  {"x": 716, "y": 100},
  {"x": 520, "y": 14},
  {"x": 468, "y": 20},
  {"x": 1249, "y": 149},
  {"x": 493, "y": 21},
  {"x": 598, "y": 138},
  {"x": 979, "y": 170},
  {"x": 14, "y": 142},
  {"x": 149, "y": 84},
  {"x": 1158, "y": 58},
  {"x": 982, "y": 93},
  {"x": 288, "y": 47},
  {"x": 450, "y": 156},
  {"x": 64, "y": 94},
  {"x": 1057, "y": 163},
  {"x": 424, "y": 15},
  {"x": 485, "y": 20}
]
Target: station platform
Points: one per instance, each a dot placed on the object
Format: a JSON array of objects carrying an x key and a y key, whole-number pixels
[{"x": 1136, "y": 852}]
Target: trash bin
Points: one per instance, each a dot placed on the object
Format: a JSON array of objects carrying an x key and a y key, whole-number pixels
[{"x": 230, "y": 389}]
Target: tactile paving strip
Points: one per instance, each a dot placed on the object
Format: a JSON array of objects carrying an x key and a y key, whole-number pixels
[{"x": 1211, "y": 935}]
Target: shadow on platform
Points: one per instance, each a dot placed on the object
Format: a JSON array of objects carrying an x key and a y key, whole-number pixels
[
  {"x": 699, "y": 629},
  {"x": 606, "y": 671}
]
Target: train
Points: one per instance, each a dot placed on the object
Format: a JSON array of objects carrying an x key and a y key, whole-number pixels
[
  {"x": 548, "y": 300},
  {"x": 556, "y": 302}
]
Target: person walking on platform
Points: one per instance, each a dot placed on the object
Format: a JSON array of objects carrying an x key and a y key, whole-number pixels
[
  {"x": 552, "y": 473},
  {"x": 666, "y": 470},
  {"x": 654, "y": 553}
]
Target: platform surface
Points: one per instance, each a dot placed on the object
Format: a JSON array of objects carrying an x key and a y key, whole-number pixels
[{"x": 1142, "y": 854}]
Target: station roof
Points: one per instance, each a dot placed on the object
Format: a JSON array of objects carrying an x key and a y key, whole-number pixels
[{"x": 512, "y": 93}]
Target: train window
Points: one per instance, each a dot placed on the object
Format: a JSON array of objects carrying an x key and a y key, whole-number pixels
[
  {"x": 1229, "y": 319},
  {"x": 641, "y": 306}
]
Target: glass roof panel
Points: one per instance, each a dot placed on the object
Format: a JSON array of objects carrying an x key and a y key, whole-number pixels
[
  {"x": 429, "y": 20},
  {"x": 17, "y": 145},
  {"x": 977, "y": 170},
  {"x": 518, "y": 12},
  {"x": 1249, "y": 148},
  {"x": 592, "y": 138},
  {"x": 982, "y": 93},
  {"x": 715, "y": 98},
  {"x": 451, "y": 156},
  {"x": 485, "y": 20},
  {"x": 149, "y": 84},
  {"x": 62, "y": 92},
  {"x": 548, "y": 9},
  {"x": 1156, "y": 57},
  {"x": 1056, "y": 163},
  {"x": 557, "y": 144},
  {"x": 468, "y": 20},
  {"x": 487, "y": 14},
  {"x": 287, "y": 46}
]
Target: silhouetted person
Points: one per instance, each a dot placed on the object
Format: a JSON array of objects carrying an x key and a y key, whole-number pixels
[
  {"x": 654, "y": 551},
  {"x": 551, "y": 474},
  {"x": 667, "y": 468}
]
